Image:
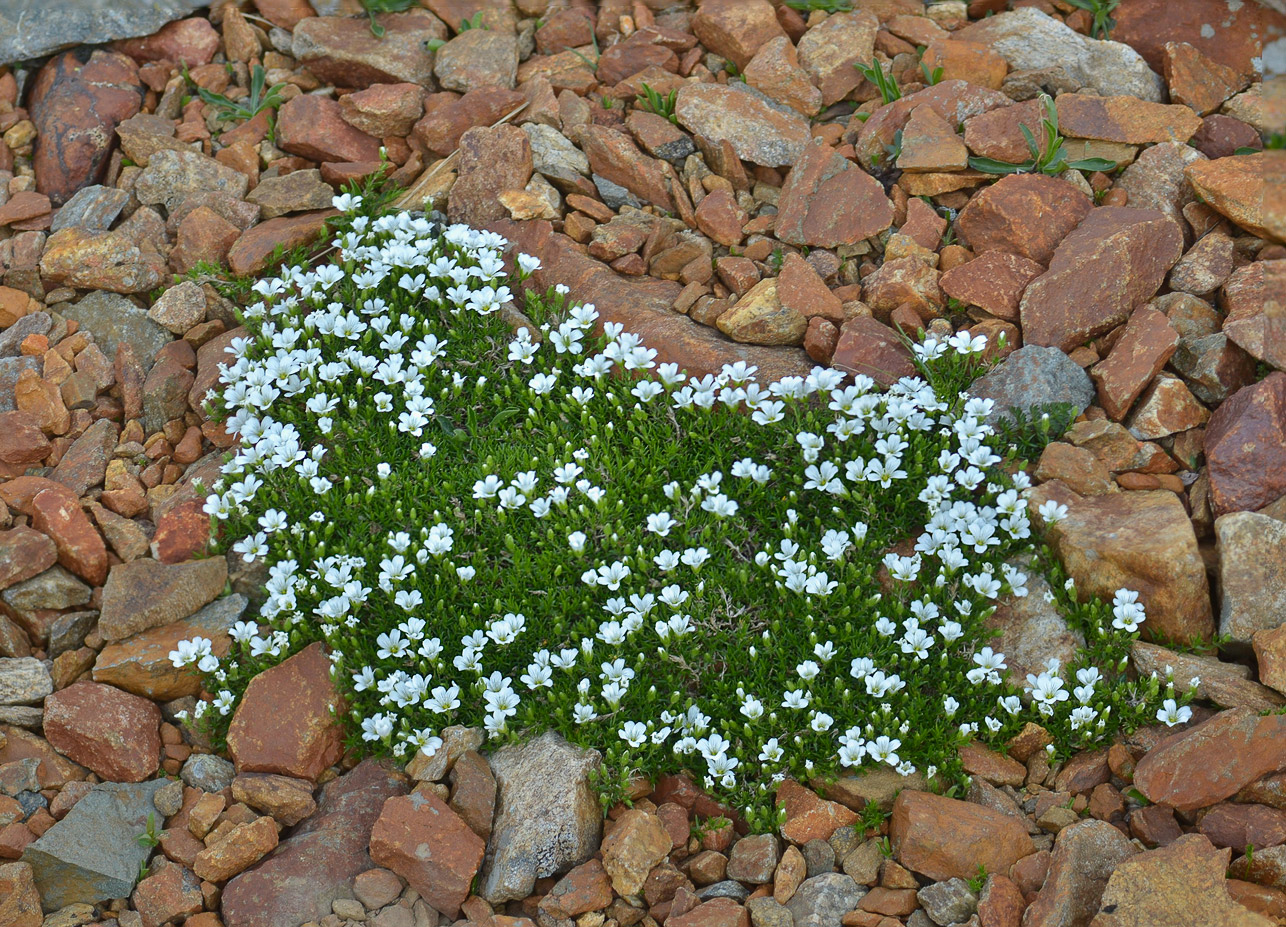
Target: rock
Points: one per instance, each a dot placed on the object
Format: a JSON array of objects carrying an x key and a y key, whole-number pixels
[
  {"x": 342, "y": 49},
  {"x": 1196, "y": 81},
  {"x": 492, "y": 160},
  {"x": 172, "y": 892},
  {"x": 24, "y": 553},
  {"x": 1028, "y": 38},
  {"x": 759, "y": 129},
  {"x": 1184, "y": 771},
  {"x": 736, "y": 29},
  {"x": 1138, "y": 355},
  {"x": 33, "y": 323},
  {"x": 1032, "y": 631},
  {"x": 382, "y": 110},
  {"x": 614, "y": 158},
  {"x": 253, "y": 251},
  {"x": 1205, "y": 266},
  {"x": 718, "y": 912},
  {"x": 473, "y": 792},
  {"x": 800, "y": 288},
  {"x": 1124, "y": 119},
  {"x": 26, "y": 34},
  {"x": 954, "y": 100},
  {"x": 55, "y": 511},
  {"x": 993, "y": 281},
  {"x": 84, "y": 464},
  {"x": 943, "y": 838},
  {"x": 298, "y": 190},
  {"x": 961, "y": 59},
  {"x": 286, "y": 722},
  {"x": 809, "y": 817},
  {"x": 1167, "y": 407},
  {"x": 24, "y": 681},
  {"x": 1084, "y": 857},
  {"x": 636, "y": 843},
  {"x": 477, "y": 58},
  {"x": 1164, "y": 887},
  {"x": 949, "y": 902},
  {"x": 758, "y": 317},
  {"x": 115, "y": 320},
  {"x": 775, "y": 71},
  {"x": 146, "y": 594},
  {"x": 1246, "y": 445},
  {"x": 77, "y": 100},
  {"x": 1031, "y": 377},
  {"x": 1024, "y": 214},
  {"x": 547, "y": 818},
  {"x": 929, "y": 143},
  {"x": 1256, "y": 321},
  {"x": 1238, "y": 825},
  {"x": 829, "y": 50},
  {"x": 871, "y": 348},
  {"x": 313, "y": 127},
  {"x": 141, "y": 663},
  {"x": 82, "y": 858},
  {"x": 1227, "y": 685},
  {"x": 823, "y": 900},
  {"x": 173, "y": 174},
  {"x": 111, "y": 732},
  {"x": 1114, "y": 261},
  {"x": 753, "y": 859},
  {"x": 190, "y": 42},
  {"x": 1156, "y": 179},
  {"x": 19, "y": 899},
  {"x": 910, "y": 282},
  {"x": 443, "y": 876},
  {"x": 1220, "y": 136},
  {"x": 1252, "y": 581},
  {"x": 376, "y": 888},
  {"x": 242, "y": 847},
  {"x": 1233, "y": 37},
  {"x": 207, "y": 772},
  {"x": 105, "y": 260},
  {"x": 315, "y": 865},
  {"x": 1236, "y": 187},
  {"x": 586, "y": 888},
  {"x": 826, "y": 201},
  {"x": 180, "y": 308}
]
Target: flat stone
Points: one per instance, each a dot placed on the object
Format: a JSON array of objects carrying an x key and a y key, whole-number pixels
[
  {"x": 182, "y": 307},
  {"x": 105, "y": 260},
  {"x": 809, "y": 816},
  {"x": 477, "y": 58},
  {"x": 82, "y": 858},
  {"x": 954, "y": 100},
  {"x": 24, "y": 681},
  {"x": 242, "y": 847},
  {"x": 1084, "y": 858},
  {"x": 759, "y": 129},
  {"x": 56, "y": 512},
  {"x": 826, "y": 201},
  {"x": 1256, "y": 313},
  {"x": 146, "y": 594},
  {"x": 1205, "y": 266},
  {"x": 872, "y": 349},
  {"x": 115, "y": 320},
  {"x": 293, "y": 192},
  {"x": 758, "y": 317},
  {"x": 1227, "y": 685},
  {"x": 172, "y": 174},
  {"x": 1232, "y": 36},
  {"x": 1138, "y": 355},
  {"x": 286, "y": 799},
  {"x": 1246, "y": 445},
  {"x": 1113, "y": 262},
  {"x": 343, "y": 51},
  {"x": 1024, "y": 214},
  {"x": 993, "y": 281},
  {"x": 636, "y": 843},
  {"x": 172, "y": 892},
  {"x": 84, "y": 464},
  {"x": 111, "y": 732},
  {"x": 492, "y": 160},
  {"x": 829, "y": 50},
  {"x": 929, "y": 143},
  {"x": 141, "y": 664},
  {"x": 613, "y": 156},
  {"x": 19, "y": 898},
  {"x": 55, "y": 588},
  {"x": 1238, "y": 187},
  {"x": 313, "y": 127},
  {"x": 252, "y": 252},
  {"x": 26, "y": 34},
  {"x": 382, "y": 110},
  {"x": 1124, "y": 119},
  {"x": 1031, "y": 377},
  {"x": 24, "y": 553},
  {"x": 442, "y": 877},
  {"x": 1252, "y": 581},
  {"x": 736, "y": 29},
  {"x": 943, "y": 838},
  {"x": 949, "y": 902},
  {"x": 1197, "y": 81}
]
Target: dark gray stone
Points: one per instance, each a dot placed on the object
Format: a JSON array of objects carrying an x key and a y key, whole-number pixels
[
  {"x": 114, "y": 319},
  {"x": 68, "y": 632},
  {"x": 31, "y": 28},
  {"x": 92, "y": 207},
  {"x": 208, "y": 772},
  {"x": 819, "y": 857},
  {"x": 55, "y": 588},
  {"x": 613, "y": 194},
  {"x": 949, "y": 902},
  {"x": 10, "y": 369},
  {"x": 1034, "y": 376},
  {"x": 24, "y": 681},
  {"x": 91, "y": 854},
  {"x": 823, "y": 900},
  {"x": 725, "y": 889}
]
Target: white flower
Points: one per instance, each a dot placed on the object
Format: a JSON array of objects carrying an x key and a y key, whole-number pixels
[{"x": 1170, "y": 713}]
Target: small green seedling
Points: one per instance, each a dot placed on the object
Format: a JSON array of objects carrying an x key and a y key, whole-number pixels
[
  {"x": 151, "y": 837},
  {"x": 373, "y": 7},
  {"x": 1102, "y": 11},
  {"x": 653, "y": 102},
  {"x": 255, "y": 102},
  {"x": 886, "y": 84},
  {"x": 1050, "y": 159}
]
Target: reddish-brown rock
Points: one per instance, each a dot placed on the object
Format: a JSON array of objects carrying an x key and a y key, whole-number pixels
[
  {"x": 1245, "y": 189},
  {"x": 24, "y": 553},
  {"x": 826, "y": 201},
  {"x": 425, "y": 842},
  {"x": 1026, "y": 214},
  {"x": 382, "y": 110},
  {"x": 717, "y": 912},
  {"x": 447, "y": 119},
  {"x": 736, "y": 29},
  {"x": 19, "y": 897},
  {"x": 1220, "y": 136},
  {"x": 1138, "y": 356},
  {"x": 809, "y": 816},
  {"x": 871, "y": 348},
  {"x": 1189, "y": 769},
  {"x": 242, "y": 847},
  {"x": 56, "y": 512},
  {"x": 994, "y": 281},
  {"x": 171, "y": 893},
  {"x": 492, "y": 160},
  {"x": 801, "y": 289},
  {"x": 342, "y": 50},
  {"x": 1124, "y": 119},
  {"x": 113, "y": 733},
  {"x": 253, "y": 250},
  {"x": 943, "y": 838},
  {"x": 191, "y": 42},
  {"x": 286, "y": 721},
  {"x": 313, "y": 127},
  {"x": 830, "y": 50},
  {"x": 1113, "y": 262},
  {"x": 961, "y": 59},
  {"x": 1246, "y": 447},
  {"x": 585, "y": 888},
  {"x": 1197, "y": 81},
  {"x": 1254, "y": 298},
  {"x": 1232, "y": 34},
  {"x": 930, "y": 143},
  {"x": 77, "y": 100},
  {"x": 1236, "y": 825}
]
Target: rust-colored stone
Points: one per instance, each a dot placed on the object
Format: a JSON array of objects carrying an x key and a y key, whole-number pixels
[
  {"x": 826, "y": 201},
  {"x": 1138, "y": 356},
  {"x": 943, "y": 838},
  {"x": 1026, "y": 214},
  {"x": 1246, "y": 447},
  {"x": 401, "y": 840},
  {"x": 113, "y": 733}
]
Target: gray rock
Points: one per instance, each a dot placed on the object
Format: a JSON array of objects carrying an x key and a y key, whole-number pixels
[
  {"x": 33, "y": 323},
  {"x": 1252, "y": 587},
  {"x": 1226, "y": 684},
  {"x": 301, "y": 879},
  {"x": 949, "y": 902},
  {"x": 20, "y": 776},
  {"x": 173, "y": 174},
  {"x": 725, "y": 889},
  {"x": 1032, "y": 631},
  {"x": 180, "y": 307},
  {"x": 1029, "y": 39},
  {"x": 754, "y": 859},
  {"x": 823, "y": 900},
  {"x": 55, "y": 588},
  {"x": 819, "y": 857},
  {"x": 10, "y": 369},
  {"x": 24, "y": 681},
  {"x": 1034, "y": 376},
  {"x": 29, "y": 28},
  {"x": 90, "y": 855},
  {"x": 1085, "y": 854},
  {"x": 114, "y": 319},
  {"x": 68, "y": 631},
  {"x": 291, "y": 192},
  {"x": 92, "y": 207},
  {"x": 25, "y": 716},
  {"x": 85, "y": 462},
  {"x": 208, "y": 772},
  {"x": 169, "y": 799},
  {"x": 919, "y": 919},
  {"x": 768, "y": 912},
  {"x": 477, "y": 57},
  {"x": 613, "y": 194},
  {"x": 553, "y": 154},
  {"x": 32, "y": 801},
  {"x": 547, "y": 816}
]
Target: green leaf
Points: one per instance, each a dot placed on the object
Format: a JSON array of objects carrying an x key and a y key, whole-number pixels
[
  {"x": 992, "y": 166},
  {"x": 1093, "y": 164}
]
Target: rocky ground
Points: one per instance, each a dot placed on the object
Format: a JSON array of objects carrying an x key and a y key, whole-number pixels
[{"x": 786, "y": 216}]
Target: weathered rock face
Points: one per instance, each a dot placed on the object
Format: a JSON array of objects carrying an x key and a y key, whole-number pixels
[
  {"x": 1084, "y": 857},
  {"x": 1034, "y": 376},
  {"x": 1240, "y": 188},
  {"x": 1233, "y": 36},
  {"x": 1141, "y": 541},
  {"x": 760, "y": 129},
  {"x": 286, "y": 722},
  {"x": 871, "y": 348},
  {"x": 826, "y": 201},
  {"x": 1032, "y": 632},
  {"x": 1252, "y": 574},
  {"x": 82, "y": 859},
  {"x": 943, "y": 838},
  {"x": 547, "y": 816},
  {"x": 408, "y": 824},
  {"x": 637, "y": 842},
  {"x": 115, "y": 734},
  {"x": 26, "y": 33},
  {"x": 1112, "y": 263},
  {"x": 341, "y": 49},
  {"x": 1025, "y": 214},
  {"x": 316, "y": 864},
  {"x": 492, "y": 160},
  {"x": 1256, "y": 321},
  {"x": 824, "y": 899},
  {"x": 1164, "y": 887},
  {"x": 145, "y": 594},
  {"x": 1189, "y": 769},
  {"x": 77, "y": 101},
  {"x": 1246, "y": 447}
]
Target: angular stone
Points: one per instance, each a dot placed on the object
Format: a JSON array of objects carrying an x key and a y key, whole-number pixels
[
  {"x": 758, "y": 317},
  {"x": 613, "y": 156},
  {"x": 775, "y": 71},
  {"x": 82, "y": 858},
  {"x": 1138, "y": 355},
  {"x": 636, "y": 843},
  {"x": 909, "y": 281},
  {"x": 19, "y": 899},
  {"x": 1124, "y": 119},
  {"x": 808, "y": 816},
  {"x": 492, "y": 160},
  {"x": 146, "y": 594},
  {"x": 929, "y": 143},
  {"x": 1084, "y": 857},
  {"x": 313, "y": 127},
  {"x": 55, "y": 511},
  {"x": 1241, "y": 825},
  {"x": 1142, "y": 541},
  {"x": 24, "y": 553},
  {"x": 1242, "y": 187},
  {"x": 171, "y": 893},
  {"x": 1156, "y": 180},
  {"x": 994, "y": 281},
  {"x": 382, "y": 110},
  {"x": 253, "y": 251},
  {"x": 1246, "y": 447},
  {"x": 115, "y": 320},
  {"x": 242, "y": 847},
  {"x": 586, "y": 888},
  {"x": 85, "y": 462},
  {"x": 830, "y": 50},
  {"x": 823, "y": 900},
  {"x": 1034, "y": 376},
  {"x": 24, "y": 681},
  {"x": 872, "y": 349},
  {"x": 754, "y": 859},
  {"x": 736, "y": 29},
  {"x": 1205, "y": 266},
  {"x": 1167, "y": 407},
  {"x": 1256, "y": 311},
  {"x": 1028, "y": 39},
  {"x": 1227, "y": 685},
  {"x": 473, "y": 792},
  {"x": 954, "y": 100},
  {"x": 111, "y": 732},
  {"x": 477, "y": 58},
  {"x": 401, "y": 840},
  {"x": 943, "y": 838},
  {"x": 1114, "y": 261},
  {"x": 446, "y": 121},
  {"x": 1164, "y": 887},
  {"x": 1032, "y": 631},
  {"x": 171, "y": 174},
  {"x": 1196, "y": 81},
  {"x": 1252, "y": 574},
  {"x": 760, "y": 130},
  {"x": 547, "y": 819},
  {"x": 100, "y": 259},
  {"x": 961, "y": 59},
  {"x": 826, "y": 201},
  {"x": 53, "y": 589},
  {"x": 296, "y": 191},
  {"x": 1025, "y": 214},
  {"x": 286, "y": 721},
  {"x": 343, "y": 51}
]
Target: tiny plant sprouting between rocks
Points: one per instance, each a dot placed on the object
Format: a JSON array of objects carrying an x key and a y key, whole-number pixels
[
  {"x": 542, "y": 527},
  {"x": 1048, "y": 157},
  {"x": 1103, "y": 23}
]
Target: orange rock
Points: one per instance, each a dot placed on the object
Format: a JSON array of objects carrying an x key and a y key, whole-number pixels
[
  {"x": 1124, "y": 119},
  {"x": 943, "y": 838},
  {"x": 442, "y": 877},
  {"x": 242, "y": 847},
  {"x": 961, "y": 59},
  {"x": 808, "y": 816},
  {"x": 736, "y": 29},
  {"x": 1197, "y": 81}
]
